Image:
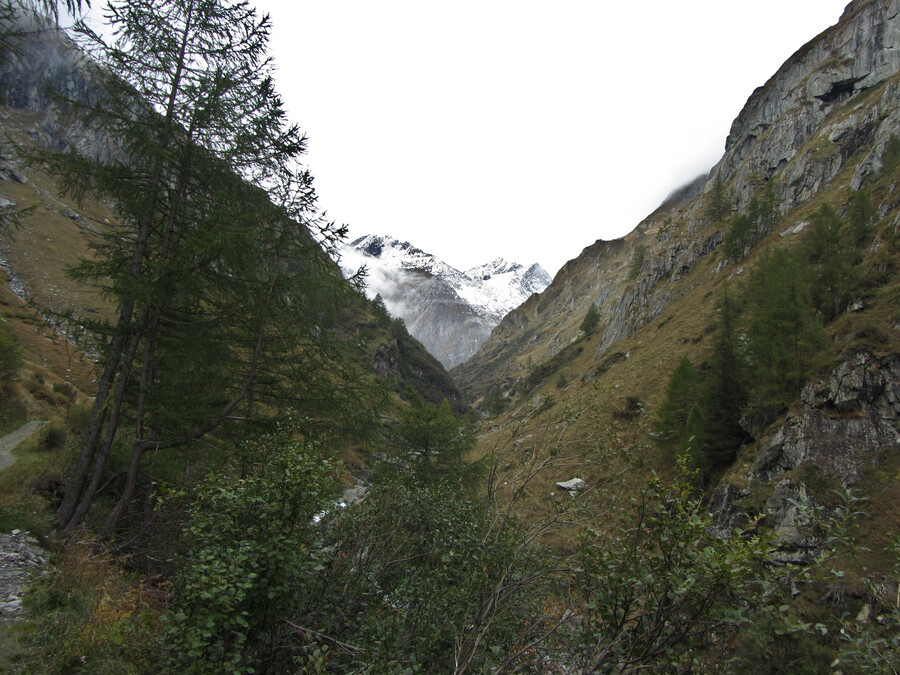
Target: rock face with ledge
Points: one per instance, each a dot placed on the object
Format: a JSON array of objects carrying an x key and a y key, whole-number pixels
[
  {"x": 843, "y": 425},
  {"x": 852, "y": 57}
]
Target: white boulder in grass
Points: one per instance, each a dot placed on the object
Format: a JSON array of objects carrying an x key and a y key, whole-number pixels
[{"x": 571, "y": 485}]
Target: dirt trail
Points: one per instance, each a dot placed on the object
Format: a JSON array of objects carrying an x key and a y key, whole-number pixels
[{"x": 10, "y": 441}]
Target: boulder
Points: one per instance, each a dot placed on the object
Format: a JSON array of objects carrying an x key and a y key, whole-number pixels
[{"x": 573, "y": 485}]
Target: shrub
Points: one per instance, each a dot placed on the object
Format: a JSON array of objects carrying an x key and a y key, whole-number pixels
[
  {"x": 251, "y": 558},
  {"x": 66, "y": 389},
  {"x": 12, "y": 409},
  {"x": 419, "y": 577},
  {"x": 53, "y": 437},
  {"x": 653, "y": 588}
]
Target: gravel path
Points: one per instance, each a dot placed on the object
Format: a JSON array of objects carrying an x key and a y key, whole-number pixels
[{"x": 10, "y": 441}]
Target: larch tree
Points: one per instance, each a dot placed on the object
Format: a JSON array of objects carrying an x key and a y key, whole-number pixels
[
  {"x": 682, "y": 396},
  {"x": 718, "y": 207},
  {"x": 725, "y": 392},
  {"x": 784, "y": 333},
  {"x": 224, "y": 298}
]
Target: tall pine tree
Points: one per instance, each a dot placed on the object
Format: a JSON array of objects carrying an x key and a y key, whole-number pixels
[
  {"x": 682, "y": 395},
  {"x": 784, "y": 333},
  {"x": 224, "y": 300},
  {"x": 725, "y": 390}
]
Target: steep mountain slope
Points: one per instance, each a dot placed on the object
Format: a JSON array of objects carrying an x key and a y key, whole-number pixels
[
  {"x": 822, "y": 121},
  {"x": 52, "y": 231},
  {"x": 817, "y": 133},
  {"x": 449, "y": 311}
]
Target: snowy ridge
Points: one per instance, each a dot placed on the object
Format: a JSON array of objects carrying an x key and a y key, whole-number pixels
[{"x": 492, "y": 290}]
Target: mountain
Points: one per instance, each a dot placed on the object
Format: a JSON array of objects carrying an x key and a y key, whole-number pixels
[
  {"x": 820, "y": 123},
  {"x": 450, "y": 312},
  {"x": 816, "y": 147},
  {"x": 51, "y": 230},
  {"x": 794, "y": 235}
]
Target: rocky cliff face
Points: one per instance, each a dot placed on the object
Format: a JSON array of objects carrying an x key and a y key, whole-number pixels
[
  {"x": 816, "y": 134},
  {"x": 845, "y": 425},
  {"x": 821, "y": 121},
  {"x": 799, "y": 103},
  {"x": 43, "y": 65},
  {"x": 451, "y": 312}
]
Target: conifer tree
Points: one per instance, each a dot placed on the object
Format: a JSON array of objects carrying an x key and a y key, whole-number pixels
[
  {"x": 435, "y": 443},
  {"x": 863, "y": 217},
  {"x": 784, "y": 334},
  {"x": 767, "y": 208},
  {"x": 739, "y": 236},
  {"x": 725, "y": 391},
  {"x": 675, "y": 425},
  {"x": 890, "y": 156},
  {"x": 833, "y": 258},
  {"x": 223, "y": 298},
  {"x": 718, "y": 208},
  {"x": 591, "y": 320}
]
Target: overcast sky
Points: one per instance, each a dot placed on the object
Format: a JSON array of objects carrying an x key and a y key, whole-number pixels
[{"x": 521, "y": 129}]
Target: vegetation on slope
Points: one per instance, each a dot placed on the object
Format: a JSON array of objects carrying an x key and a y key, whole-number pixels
[{"x": 469, "y": 554}]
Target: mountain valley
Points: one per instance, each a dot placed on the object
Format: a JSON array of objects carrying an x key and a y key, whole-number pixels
[{"x": 681, "y": 454}]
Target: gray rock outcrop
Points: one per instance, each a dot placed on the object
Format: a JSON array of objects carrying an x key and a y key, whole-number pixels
[
  {"x": 832, "y": 105},
  {"x": 795, "y": 105},
  {"x": 842, "y": 423},
  {"x": 43, "y": 67},
  {"x": 842, "y": 426}
]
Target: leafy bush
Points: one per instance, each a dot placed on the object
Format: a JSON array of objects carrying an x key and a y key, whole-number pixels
[
  {"x": 419, "y": 577},
  {"x": 252, "y": 557},
  {"x": 658, "y": 585}
]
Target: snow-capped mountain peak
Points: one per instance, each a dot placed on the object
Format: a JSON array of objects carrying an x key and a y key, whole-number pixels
[{"x": 490, "y": 290}]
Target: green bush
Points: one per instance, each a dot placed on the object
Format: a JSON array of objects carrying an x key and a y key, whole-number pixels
[
  {"x": 419, "y": 577},
  {"x": 53, "y": 437},
  {"x": 65, "y": 389},
  {"x": 252, "y": 557},
  {"x": 660, "y": 582}
]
